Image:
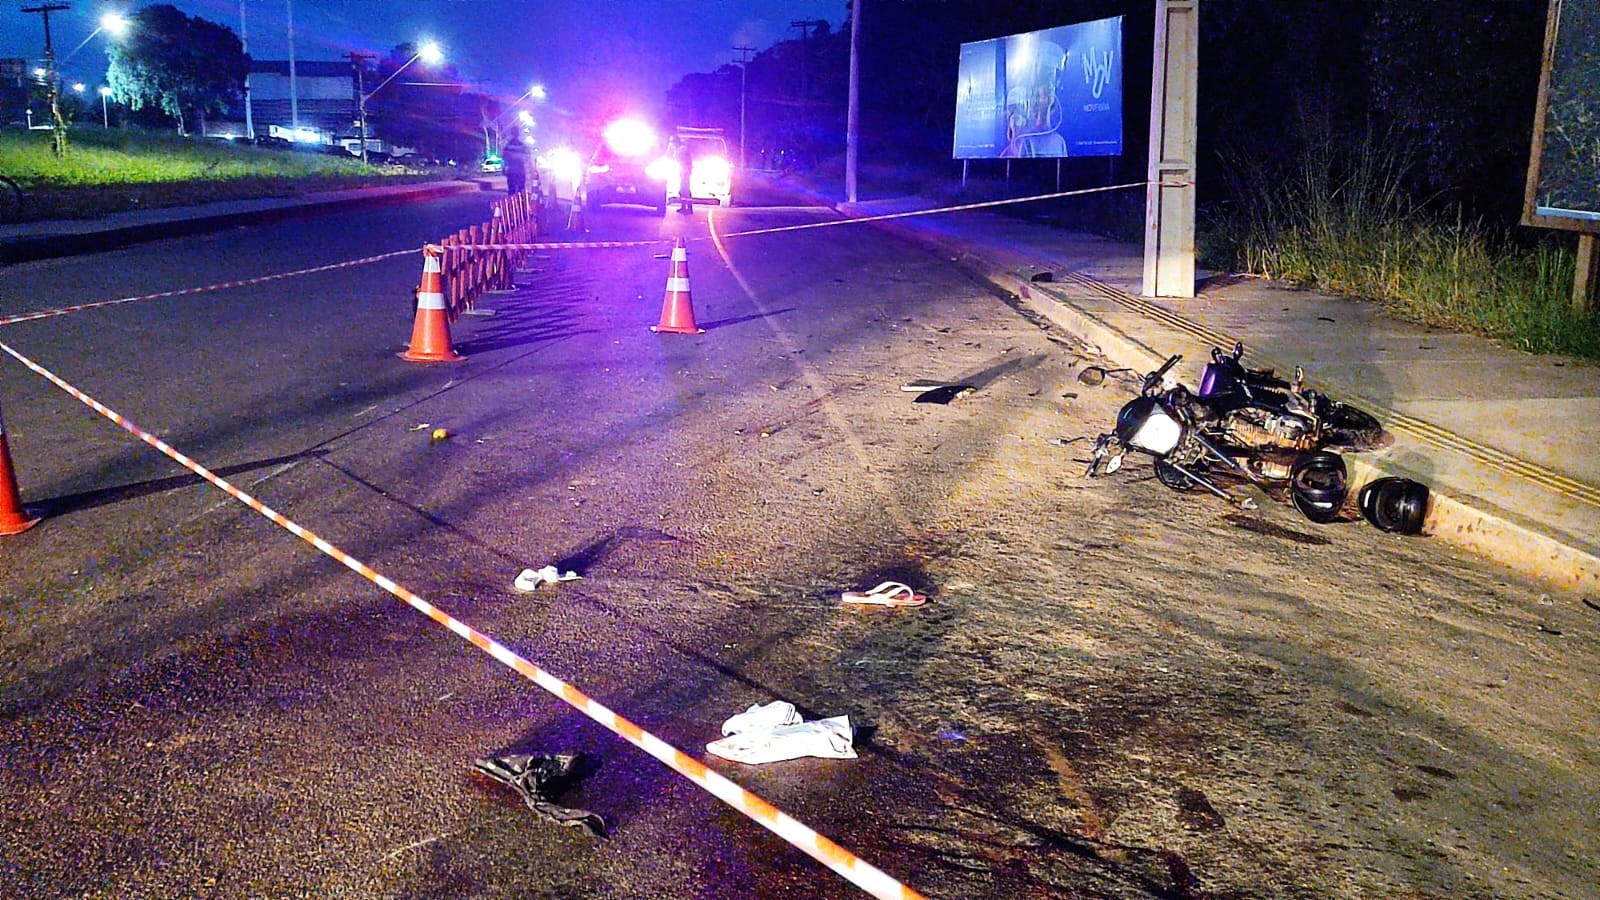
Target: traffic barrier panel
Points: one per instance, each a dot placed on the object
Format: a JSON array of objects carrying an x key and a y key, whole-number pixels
[
  {"x": 430, "y": 332},
  {"x": 677, "y": 308},
  {"x": 13, "y": 518}
]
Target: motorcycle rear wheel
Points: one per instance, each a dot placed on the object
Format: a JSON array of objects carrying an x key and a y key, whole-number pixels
[{"x": 1347, "y": 426}]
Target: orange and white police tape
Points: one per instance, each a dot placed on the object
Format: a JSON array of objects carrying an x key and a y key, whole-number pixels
[
  {"x": 853, "y": 220},
  {"x": 984, "y": 204},
  {"x": 856, "y": 870},
  {"x": 45, "y": 314}
]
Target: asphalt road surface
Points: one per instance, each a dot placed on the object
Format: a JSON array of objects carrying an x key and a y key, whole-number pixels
[{"x": 1113, "y": 689}]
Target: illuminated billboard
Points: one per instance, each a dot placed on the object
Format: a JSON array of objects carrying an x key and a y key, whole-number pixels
[
  {"x": 1564, "y": 172},
  {"x": 1049, "y": 94}
]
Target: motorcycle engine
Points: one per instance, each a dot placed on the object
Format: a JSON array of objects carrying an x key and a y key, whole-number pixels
[{"x": 1257, "y": 429}]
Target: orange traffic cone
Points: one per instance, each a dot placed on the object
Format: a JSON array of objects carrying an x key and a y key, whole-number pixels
[
  {"x": 430, "y": 333},
  {"x": 677, "y": 310},
  {"x": 13, "y": 518},
  {"x": 575, "y": 214}
]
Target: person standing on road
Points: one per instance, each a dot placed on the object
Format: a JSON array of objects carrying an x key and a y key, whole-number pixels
[
  {"x": 685, "y": 169},
  {"x": 515, "y": 159}
]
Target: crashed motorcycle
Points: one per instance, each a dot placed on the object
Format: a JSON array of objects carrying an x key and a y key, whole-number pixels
[{"x": 1242, "y": 423}]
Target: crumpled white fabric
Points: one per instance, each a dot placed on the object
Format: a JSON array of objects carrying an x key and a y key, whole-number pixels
[
  {"x": 763, "y": 717},
  {"x": 529, "y": 579},
  {"x": 825, "y": 738}
]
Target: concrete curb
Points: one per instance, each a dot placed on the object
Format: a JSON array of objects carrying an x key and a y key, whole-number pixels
[
  {"x": 1462, "y": 521},
  {"x": 51, "y": 246}
]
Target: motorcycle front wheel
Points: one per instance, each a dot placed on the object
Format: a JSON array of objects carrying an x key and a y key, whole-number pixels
[{"x": 1168, "y": 474}]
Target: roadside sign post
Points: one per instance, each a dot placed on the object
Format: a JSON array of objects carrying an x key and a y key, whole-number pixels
[{"x": 1169, "y": 247}]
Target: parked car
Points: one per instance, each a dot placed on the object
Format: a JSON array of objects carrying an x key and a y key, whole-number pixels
[{"x": 628, "y": 168}]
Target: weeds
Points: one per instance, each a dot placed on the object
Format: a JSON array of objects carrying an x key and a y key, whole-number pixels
[{"x": 1343, "y": 222}]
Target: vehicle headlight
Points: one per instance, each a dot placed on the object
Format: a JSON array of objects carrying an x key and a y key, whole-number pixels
[
  {"x": 713, "y": 168},
  {"x": 664, "y": 168}
]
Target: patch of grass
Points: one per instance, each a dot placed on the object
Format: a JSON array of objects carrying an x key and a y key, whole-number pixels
[
  {"x": 114, "y": 171},
  {"x": 1342, "y": 223}
]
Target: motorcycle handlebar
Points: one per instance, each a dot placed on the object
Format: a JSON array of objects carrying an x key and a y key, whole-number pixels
[{"x": 1153, "y": 380}]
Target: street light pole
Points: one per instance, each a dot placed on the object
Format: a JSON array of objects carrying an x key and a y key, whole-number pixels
[
  {"x": 428, "y": 49},
  {"x": 105, "y": 115}
]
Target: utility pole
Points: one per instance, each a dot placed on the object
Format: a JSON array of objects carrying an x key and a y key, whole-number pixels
[
  {"x": 58, "y": 126},
  {"x": 744, "y": 67},
  {"x": 805, "y": 26},
  {"x": 294, "y": 87},
  {"x": 852, "y": 116},
  {"x": 356, "y": 61},
  {"x": 244, "y": 44}
]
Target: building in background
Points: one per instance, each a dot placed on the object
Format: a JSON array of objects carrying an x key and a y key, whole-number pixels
[{"x": 325, "y": 95}]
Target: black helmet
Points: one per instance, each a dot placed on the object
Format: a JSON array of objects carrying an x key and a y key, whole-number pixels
[
  {"x": 1394, "y": 504},
  {"x": 1317, "y": 485}
]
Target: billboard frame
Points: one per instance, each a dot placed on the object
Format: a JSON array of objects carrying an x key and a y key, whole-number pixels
[{"x": 1530, "y": 202}]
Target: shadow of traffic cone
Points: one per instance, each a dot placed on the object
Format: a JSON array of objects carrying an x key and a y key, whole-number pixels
[
  {"x": 430, "y": 333},
  {"x": 13, "y": 518},
  {"x": 677, "y": 310}
]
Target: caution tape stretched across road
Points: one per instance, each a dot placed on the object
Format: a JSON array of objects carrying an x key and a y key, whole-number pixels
[
  {"x": 856, "y": 870},
  {"x": 28, "y": 317},
  {"x": 852, "y": 220}
]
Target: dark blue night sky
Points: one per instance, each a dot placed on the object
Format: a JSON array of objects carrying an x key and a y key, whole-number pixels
[{"x": 585, "y": 52}]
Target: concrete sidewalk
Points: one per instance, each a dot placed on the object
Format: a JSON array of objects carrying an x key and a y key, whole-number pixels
[
  {"x": 1508, "y": 442},
  {"x": 22, "y": 242}
]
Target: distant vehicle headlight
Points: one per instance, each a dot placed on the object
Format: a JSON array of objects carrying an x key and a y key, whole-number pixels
[
  {"x": 663, "y": 169},
  {"x": 565, "y": 165},
  {"x": 599, "y": 169}
]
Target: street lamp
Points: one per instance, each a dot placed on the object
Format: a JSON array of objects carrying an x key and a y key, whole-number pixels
[
  {"x": 112, "y": 23},
  {"x": 105, "y": 116},
  {"x": 429, "y": 52}
]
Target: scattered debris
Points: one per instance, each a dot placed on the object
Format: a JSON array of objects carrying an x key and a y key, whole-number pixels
[
  {"x": 775, "y": 732},
  {"x": 763, "y": 717},
  {"x": 889, "y": 593},
  {"x": 1094, "y": 375},
  {"x": 539, "y": 779},
  {"x": 946, "y": 394},
  {"x": 923, "y": 385},
  {"x": 528, "y": 580},
  {"x": 440, "y": 434}
]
